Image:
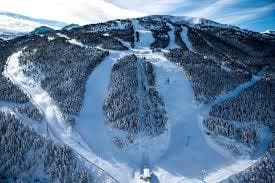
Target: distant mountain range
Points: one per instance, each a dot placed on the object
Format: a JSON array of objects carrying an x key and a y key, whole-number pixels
[
  {"x": 12, "y": 25},
  {"x": 269, "y": 32}
]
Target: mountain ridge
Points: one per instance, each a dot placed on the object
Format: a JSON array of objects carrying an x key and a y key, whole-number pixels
[{"x": 150, "y": 91}]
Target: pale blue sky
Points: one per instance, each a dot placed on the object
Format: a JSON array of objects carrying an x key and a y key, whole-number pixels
[{"x": 257, "y": 15}]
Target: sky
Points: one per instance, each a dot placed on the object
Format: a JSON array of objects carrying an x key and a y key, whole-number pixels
[{"x": 256, "y": 15}]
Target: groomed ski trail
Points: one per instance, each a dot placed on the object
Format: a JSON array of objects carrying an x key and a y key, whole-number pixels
[
  {"x": 53, "y": 116},
  {"x": 182, "y": 160}
]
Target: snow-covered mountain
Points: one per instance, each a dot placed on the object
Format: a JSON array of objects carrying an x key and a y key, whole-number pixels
[
  {"x": 191, "y": 99},
  {"x": 12, "y": 25},
  {"x": 269, "y": 32}
]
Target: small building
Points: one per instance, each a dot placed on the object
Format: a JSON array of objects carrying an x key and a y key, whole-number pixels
[
  {"x": 146, "y": 174},
  {"x": 156, "y": 50}
]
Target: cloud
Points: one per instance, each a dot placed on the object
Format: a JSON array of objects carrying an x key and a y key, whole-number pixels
[
  {"x": 80, "y": 11},
  {"x": 151, "y": 6},
  {"x": 246, "y": 14},
  {"x": 229, "y": 12},
  {"x": 94, "y": 11},
  {"x": 211, "y": 9}
]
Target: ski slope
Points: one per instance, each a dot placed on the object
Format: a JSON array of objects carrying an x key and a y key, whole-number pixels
[
  {"x": 185, "y": 38},
  {"x": 172, "y": 43},
  {"x": 182, "y": 154},
  {"x": 56, "y": 126}
]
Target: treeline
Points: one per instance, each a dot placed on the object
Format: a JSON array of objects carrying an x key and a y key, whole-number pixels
[
  {"x": 255, "y": 104},
  {"x": 133, "y": 103},
  {"x": 104, "y": 34},
  {"x": 105, "y": 26},
  {"x": 221, "y": 51},
  {"x": 271, "y": 146},
  {"x": 27, "y": 157},
  {"x": 154, "y": 108},
  {"x": 126, "y": 34},
  {"x": 178, "y": 38},
  {"x": 252, "y": 43},
  {"x": 246, "y": 135},
  {"x": 121, "y": 104},
  {"x": 64, "y": 69},
  {"x": 263, "y": 171},
  {"x": 96, "y": 39},
  {"x": 10, "y": 92},
  {"x": 30, "y": 111},
  {"x": 207, "y": 77},
  {"x": 203, "y": 47},
  {"x": 161, "y": 38}
]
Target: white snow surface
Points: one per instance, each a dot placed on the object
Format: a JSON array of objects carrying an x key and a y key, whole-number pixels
[
  {"x": 145, "y": 36},
  {"x": 58, "y": 130},
  {"x": 11, "y": 27},
  {"x": 272, "y": 32},
  {"x": 182, "y": 154},
  {"x": 172, "y": 44},
  {"x": 185, "y": 39}
]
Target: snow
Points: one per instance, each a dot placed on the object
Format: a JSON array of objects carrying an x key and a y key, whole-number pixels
[
  {"x": 50, "y": 38},
  {"x": 240, "y": 88},
  {"x": 75, "y": 42},
  {"x": 184, "y": 19},
  {"x": 145, "y": 36},
  {"x": 272, "y": 32},
  {"x": 99, "y": 137},
  {"x": 109, "y": 26},
  {"x": 185, "y": 39},
  {"x": 90, "y": 124},
  {"x": 12, "y": 25},
  {"x": 172, "y": 44},
  {"x": 184, "y": 127},
  {"x": 225, "y": 68},
  {"x": 194, "y": 21},
  {"x": 62, "y": 35},
  {"x": 182, "y": 154},
  {"x": 71, "y": 41},
  {"x": 186, "y": 144},
  {"x": 146, "y": 173},
  {"x": 58, "y": 130},
  {"x": 224, "y": 173},
  {"x": 70, "y": 27}
]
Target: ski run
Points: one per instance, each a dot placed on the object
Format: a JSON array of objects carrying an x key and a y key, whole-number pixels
[{"x": 182, "y": 154}]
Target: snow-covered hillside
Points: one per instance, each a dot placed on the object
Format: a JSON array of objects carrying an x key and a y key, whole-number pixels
[
  {"x": 160, "y": 92},
  {"x": 269, "y": 32},
  {"x": 12, "y": 25}
]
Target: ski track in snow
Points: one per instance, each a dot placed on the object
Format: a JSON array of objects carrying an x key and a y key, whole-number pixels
[
  {"x": 240, "y": 88},
  {"x": 172, "y": 43},
  {"x": 52, "y": 114},
  {"x": 185, "y": 39},
  {"x": 180, "y": 155}
]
